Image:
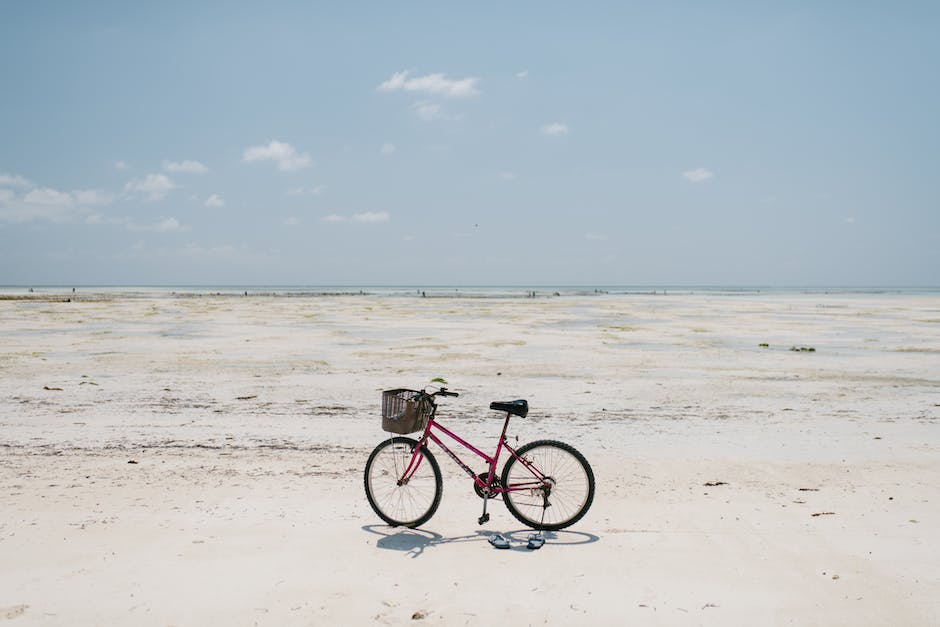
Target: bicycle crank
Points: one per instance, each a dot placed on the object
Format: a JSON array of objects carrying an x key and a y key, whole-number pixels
[{"x": 489, "y": 493}]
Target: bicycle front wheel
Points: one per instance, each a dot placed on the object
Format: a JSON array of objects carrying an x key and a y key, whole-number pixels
[
  {"x": 552, "y": 489},
  {"x": 406, "y": 504}
]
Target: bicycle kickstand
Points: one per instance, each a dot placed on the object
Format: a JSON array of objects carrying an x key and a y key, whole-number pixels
[
  {"x": 537, "y": 540},
  {"x": 485, "y": 518}
]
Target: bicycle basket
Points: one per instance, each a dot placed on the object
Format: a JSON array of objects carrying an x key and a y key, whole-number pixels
[{"x": 402, "y": 413}]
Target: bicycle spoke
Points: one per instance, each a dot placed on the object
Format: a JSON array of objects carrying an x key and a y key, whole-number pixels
[
  {"x": 410, "y": 502},
  {"x": 568, "y": 487}
]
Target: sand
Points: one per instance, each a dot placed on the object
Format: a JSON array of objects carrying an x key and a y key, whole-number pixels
[{"x": 197, "y": 459}]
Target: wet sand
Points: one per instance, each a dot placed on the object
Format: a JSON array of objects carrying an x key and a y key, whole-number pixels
[{"x": 249, "y": 420}]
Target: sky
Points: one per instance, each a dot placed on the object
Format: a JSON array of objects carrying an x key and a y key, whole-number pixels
[{"x": 487, "y": 143}]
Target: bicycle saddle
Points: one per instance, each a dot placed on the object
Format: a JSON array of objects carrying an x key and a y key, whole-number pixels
[{"x": 517, "y": 408}]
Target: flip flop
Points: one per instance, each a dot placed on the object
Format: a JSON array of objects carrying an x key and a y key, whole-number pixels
[
  {"x": 535, "y": 542},
  {"x": 499, "y": 541}
]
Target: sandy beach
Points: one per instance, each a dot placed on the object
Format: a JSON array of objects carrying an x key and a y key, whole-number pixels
[{"x": 193, "y": 459}]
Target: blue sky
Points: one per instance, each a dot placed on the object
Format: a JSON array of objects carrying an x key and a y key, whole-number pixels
[{"x": 415, "y": 142}]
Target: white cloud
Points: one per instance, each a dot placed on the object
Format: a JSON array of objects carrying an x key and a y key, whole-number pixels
[
  {"x": 53, "y": 197},
  {"x": 47, "y": 203},
  {"x": 292, "y": 221},
  {"x": 555, "y": 129},
  {"x": 168, "y": 224},
  {"x": 430, "y": 111},
  {"x": 154, "y": 186},
  {"x": 92, "y": 197},
  {"x": 306, "y": 191},
  {"x": 165, "y": 224},
  {"x": 214, "y": 201},
  {"x": 365, "y": 217},
  {"x": 427, "y": 110},
  {"x": 19, "y": 211},
  {"x": 434, "y": 84},
  {"x": 162, "y": 225},
  {"x": 195, "y": 250},
  {"x": 49, "y": 197},
  {"x": 388, "y": 148},
  {"x": 121, "y": 166},
  {"x": 14, "y": 180},
  {"x": 372, "y": 216},
  {"x": 522, "y": 74},
  {"x": 285, "y": 155},
  {"x": 698, "y": 175},
  {"x": 508, "y": 176},
  {"x": 189, "y": 167},
  {"x": 141, "y": 250}
]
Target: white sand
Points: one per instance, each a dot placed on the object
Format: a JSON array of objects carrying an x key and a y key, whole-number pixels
[{"x": 252, "y": 511}]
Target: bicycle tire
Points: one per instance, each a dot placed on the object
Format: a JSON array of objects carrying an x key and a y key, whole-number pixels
[
  {"x": 408, "y": 505},
  {"x": 572, "y": 491}
]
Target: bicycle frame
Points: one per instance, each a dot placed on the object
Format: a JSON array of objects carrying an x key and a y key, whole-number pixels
[{"x": 538, "y": 479}]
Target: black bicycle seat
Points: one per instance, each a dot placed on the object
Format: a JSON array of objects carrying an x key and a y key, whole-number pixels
[{"x": 517, "y": 408}]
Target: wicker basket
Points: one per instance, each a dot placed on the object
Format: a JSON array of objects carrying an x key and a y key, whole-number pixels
[{"x": 401, "y": 413}]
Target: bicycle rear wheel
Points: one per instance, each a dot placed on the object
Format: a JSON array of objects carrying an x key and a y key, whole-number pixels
[
  {"x": 554, "y": 487},
  {"x": 410, "y": 504}
]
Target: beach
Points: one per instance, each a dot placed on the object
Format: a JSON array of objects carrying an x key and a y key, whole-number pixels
[{"x": 195, "y": 457}]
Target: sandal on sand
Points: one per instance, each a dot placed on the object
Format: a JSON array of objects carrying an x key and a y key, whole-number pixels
[
  {"x": 535, "y": 542},
  {"x": 499, "y": 541}
]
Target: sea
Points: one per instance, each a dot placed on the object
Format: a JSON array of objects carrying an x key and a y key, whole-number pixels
[{"x": 438, "y": 291}]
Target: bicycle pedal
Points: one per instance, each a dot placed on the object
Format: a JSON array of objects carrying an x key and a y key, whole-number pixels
[{"x": 482, "y": 520}]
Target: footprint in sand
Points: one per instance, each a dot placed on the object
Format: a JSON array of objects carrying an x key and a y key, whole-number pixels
[{"x": 12, "y": 611}]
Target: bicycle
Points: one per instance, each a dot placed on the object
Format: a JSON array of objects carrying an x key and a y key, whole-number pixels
[{"x": 546, "y": 485}]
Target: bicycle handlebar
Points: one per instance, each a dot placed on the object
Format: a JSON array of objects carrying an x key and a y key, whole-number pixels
[{"x": 444, "y": 392}]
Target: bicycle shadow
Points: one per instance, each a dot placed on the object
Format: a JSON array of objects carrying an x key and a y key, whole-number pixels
[{"x": 413, "y": 542}]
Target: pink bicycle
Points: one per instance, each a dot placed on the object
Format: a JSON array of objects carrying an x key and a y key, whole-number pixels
[{"x": 547, "y": 485}]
